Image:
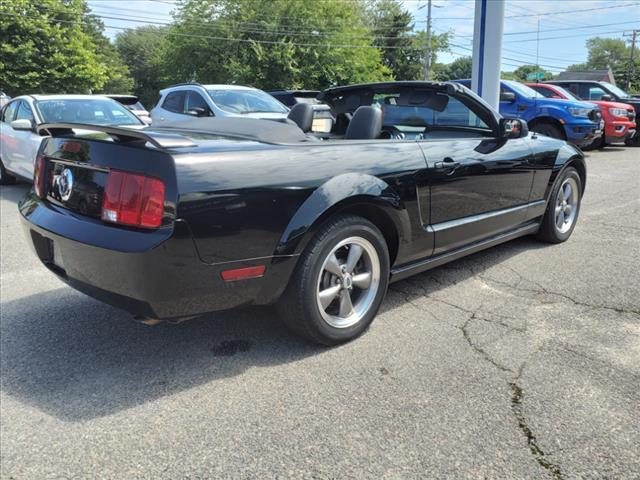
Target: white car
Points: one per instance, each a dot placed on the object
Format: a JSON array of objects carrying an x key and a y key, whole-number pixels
[
  {"x": 4, "y": 99},
  {"x": 185, "y": 101},
  {"x": 134, "y": 104},
  {"x": 19, "y": 119}
]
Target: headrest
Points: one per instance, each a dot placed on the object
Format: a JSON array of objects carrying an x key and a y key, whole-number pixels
[
  {"x": 365, "y": 124},
  {"x": 302, "y": 115}
]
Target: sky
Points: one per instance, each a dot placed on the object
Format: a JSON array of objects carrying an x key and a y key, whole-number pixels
[{"x": 564, "y": 25}]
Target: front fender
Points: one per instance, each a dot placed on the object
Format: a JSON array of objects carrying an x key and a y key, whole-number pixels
[
  {"x": 339, "y": 191},
  {"x": 568, "y": 154}
]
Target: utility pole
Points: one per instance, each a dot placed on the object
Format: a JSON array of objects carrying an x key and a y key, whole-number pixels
[
  {"x": 632, "y": 66},
  {"x": 427, "y": 47}
]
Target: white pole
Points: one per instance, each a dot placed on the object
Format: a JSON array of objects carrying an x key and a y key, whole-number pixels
[{"x": 487, "y": 50}]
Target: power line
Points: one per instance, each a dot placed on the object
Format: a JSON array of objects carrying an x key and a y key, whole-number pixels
[{"x": 229, "y": 39}]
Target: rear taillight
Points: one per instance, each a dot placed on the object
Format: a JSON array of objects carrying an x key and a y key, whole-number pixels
[
  {"x": 39, "y": 176},
  {"x": 132, "y": 199}
]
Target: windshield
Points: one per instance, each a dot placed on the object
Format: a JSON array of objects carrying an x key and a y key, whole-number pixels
[
  {"x": 522, "y": 89},
  {"x": 95, "y": 111},
  {"x": 246, "y": 101},
  {"x": 568, "y": 95},
  {"x": 618, "y": 92}
]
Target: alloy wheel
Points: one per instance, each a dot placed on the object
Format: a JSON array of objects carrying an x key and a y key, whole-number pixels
[
  {"x": 348, "y": 282},
  {"x": 566, "y": 205}
]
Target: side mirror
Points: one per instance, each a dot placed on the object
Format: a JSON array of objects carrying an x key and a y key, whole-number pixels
[
  {"x": 508, "y": 97},
  {"x": 198, "y": 112},
  {"x": 22, "y": 125},
  {"x": 606, "y": 98},
  {"x": 513, "y": 128}
]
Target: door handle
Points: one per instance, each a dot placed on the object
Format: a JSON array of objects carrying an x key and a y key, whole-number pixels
[{"x": 446, "y": 164}]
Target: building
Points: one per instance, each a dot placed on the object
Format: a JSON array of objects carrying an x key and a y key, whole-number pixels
[{"x": 605, "y": 75}]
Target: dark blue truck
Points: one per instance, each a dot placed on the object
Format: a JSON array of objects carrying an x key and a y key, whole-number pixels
[{"x": 577, "y": 122}]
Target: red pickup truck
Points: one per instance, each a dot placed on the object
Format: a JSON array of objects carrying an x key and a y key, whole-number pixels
[{"x": 619, "y": 118}]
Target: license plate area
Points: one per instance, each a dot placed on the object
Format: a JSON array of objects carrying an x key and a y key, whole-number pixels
[
  {"x": 77, "y": 188},
  {"x": 47, "y": 253}
]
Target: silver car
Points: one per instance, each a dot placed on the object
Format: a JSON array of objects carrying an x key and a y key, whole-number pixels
[
  {"x": 182, "y": 102},
  {"x": 19, "y": 119}
]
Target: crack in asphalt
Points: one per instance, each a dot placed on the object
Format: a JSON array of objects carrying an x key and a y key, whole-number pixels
[
  {"x": 517, "y": 393},
  {"x": 542, "y": 290}
]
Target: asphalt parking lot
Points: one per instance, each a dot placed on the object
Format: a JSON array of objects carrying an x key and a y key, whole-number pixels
[{"x": 522, "y": 361}]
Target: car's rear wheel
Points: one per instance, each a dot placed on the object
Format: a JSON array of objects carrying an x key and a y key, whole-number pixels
[
  {"x": 548, "y": 129},
  {"x": 5, "y": 177},
  {"x": 339, "y": 283},
  {"x": 563, "y": 208}
]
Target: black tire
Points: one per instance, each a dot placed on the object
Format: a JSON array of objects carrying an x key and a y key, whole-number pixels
[
  {"x": 634, "y": 141},
  {"x": 548, "y": 129},
  {"x": 597, "y": 143},
  {"x": 299, "y": 306},
  {"x": 549, "y": 230},
  {"x": 5, "y": 177}
]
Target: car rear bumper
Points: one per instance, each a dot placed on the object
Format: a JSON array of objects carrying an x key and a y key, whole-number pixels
[{"x": 164, "y": 281}]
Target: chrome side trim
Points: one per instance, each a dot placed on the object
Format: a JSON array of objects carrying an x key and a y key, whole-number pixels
[
  {"x": 458, "y": 222},
  {"x": 404, "y": 271}
]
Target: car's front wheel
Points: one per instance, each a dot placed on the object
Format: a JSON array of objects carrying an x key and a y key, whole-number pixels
[
  {"x": 563, "y": 208},
  {"x": 339, "y": 283}
]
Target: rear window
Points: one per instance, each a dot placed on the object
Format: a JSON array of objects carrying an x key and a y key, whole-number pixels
[
  {"x": 174, "y": 102},
  {"x": 93, "y": 111},
  {"x": 246, "y": 101}
]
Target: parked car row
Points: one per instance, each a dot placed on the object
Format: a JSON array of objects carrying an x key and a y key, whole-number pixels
[
  {"x": 586, "y": 114},
  {"x": 176, "y": 220}
]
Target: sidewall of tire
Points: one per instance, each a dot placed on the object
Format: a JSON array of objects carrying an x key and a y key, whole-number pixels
[
  {"x": 312, "y": 325},
  {"x": 548, "y": 230}
]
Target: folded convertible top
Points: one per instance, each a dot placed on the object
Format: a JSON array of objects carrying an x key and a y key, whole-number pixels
[{"x": 260, "y": 130}]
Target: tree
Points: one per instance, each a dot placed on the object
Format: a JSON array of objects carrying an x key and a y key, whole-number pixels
[
  {"x": 273, "y": 43},
  {"x": 611, "y": 53},
  {"x": 118, "y": 77},
  {"x": 142, "y": 50},
  {"x": 459, "y": 69},
  {"x": 47, "y": 46},
  {"x": 402, "y": 48},
  {"x": 524, "y": 73}
]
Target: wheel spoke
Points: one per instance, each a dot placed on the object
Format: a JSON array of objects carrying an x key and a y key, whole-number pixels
[
  {"x": 346, "y": 307},
  {"x": 362, "y": 280},
  {"x": 328, "y": 295},
  {"x": 566, "y": 191},
  {"x": 355, "y": 252},
  {"x": 333, "y": 266},
  {"x": 560, "y": 220}
]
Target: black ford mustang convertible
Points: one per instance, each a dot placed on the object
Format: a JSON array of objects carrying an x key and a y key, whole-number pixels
[{"x": 210, "y": 214}]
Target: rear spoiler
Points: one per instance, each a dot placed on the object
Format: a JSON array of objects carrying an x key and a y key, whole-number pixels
[{"x": 119, "y": 134}]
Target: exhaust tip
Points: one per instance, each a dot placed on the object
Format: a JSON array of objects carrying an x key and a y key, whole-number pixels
[{"x": 151, "y": 322}]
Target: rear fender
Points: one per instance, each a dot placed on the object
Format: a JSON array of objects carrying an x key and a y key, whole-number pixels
[{"x": 336, "y": 194}]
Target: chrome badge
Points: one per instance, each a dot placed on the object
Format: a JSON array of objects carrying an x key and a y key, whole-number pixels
[{"x": 64, "y": 183}]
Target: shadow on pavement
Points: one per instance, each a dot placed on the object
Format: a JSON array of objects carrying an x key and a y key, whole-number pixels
[
  {"x": 14, "y": 193},
  {"x": 76, "y": 358}
]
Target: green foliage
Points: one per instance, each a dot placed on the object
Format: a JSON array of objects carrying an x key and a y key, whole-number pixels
[
  {"x": 142, "y": 50},
  {"x": 402, "y": 48},
  {"x": 47, "y": 46},
  {"x": 318, "y": 44},
  {"x": 459, "y": 69},
  {"x": 523, "y": 71},
  {"x": 612, "y": 53}
]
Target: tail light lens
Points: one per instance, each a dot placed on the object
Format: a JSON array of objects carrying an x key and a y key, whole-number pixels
[
  {"x": 132, "y": 199},
  {"x": 39, "y": 177}
]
